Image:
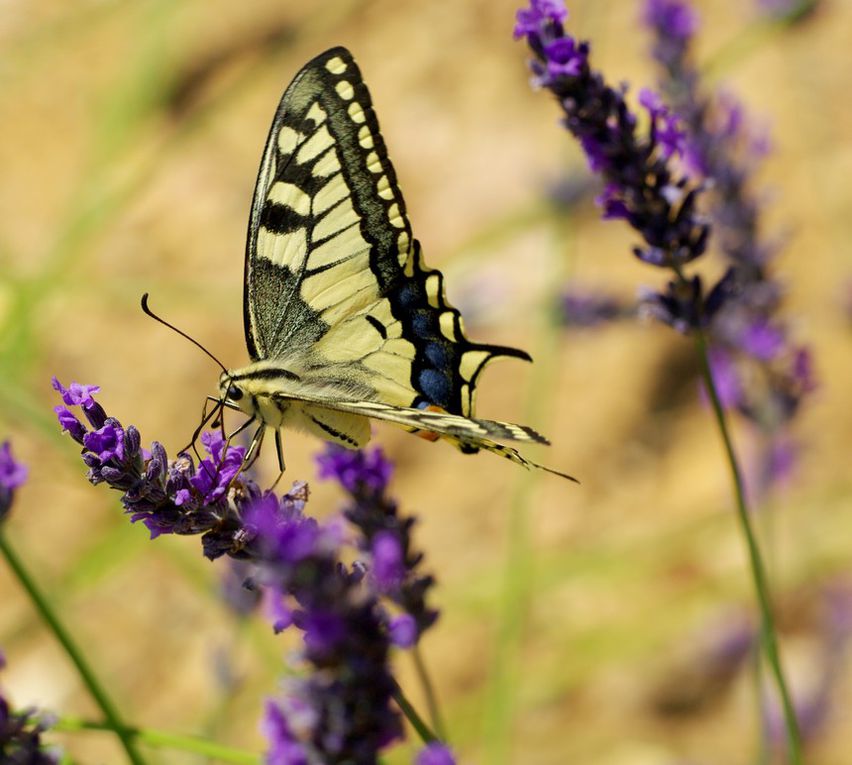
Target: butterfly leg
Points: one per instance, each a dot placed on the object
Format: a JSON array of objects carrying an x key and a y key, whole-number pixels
[
  {"x": 240, "y": 429},
  {"x": 254, "y": 448},
  {"x": 279, "y": 450}
]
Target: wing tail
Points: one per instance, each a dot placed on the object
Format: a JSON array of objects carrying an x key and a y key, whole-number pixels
[{"x": 514, "y": 455}]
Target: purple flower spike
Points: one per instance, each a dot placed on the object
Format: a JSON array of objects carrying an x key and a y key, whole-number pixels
[
  {"x": 435, "y": 753},
  {"x": 641, "y": 187},
  {"x": 324, "y": 630},
  {"x": 741, "y": 315},
  {"x": 386, "y": 533}
]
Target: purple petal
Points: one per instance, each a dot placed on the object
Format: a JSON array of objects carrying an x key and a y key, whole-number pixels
[
  {"x": 284, "y": 747},
  {"x": 725, "y": 378},
  {"x": 388, "y": 564},
  {"x": 276, "y": 609},
  {"x": 403, "y": 631},
  {"x": 107, "y": 442},
  {"x": 76, "y": 394},
  {"x": 762, "y": 340},
  {"x": 70, "y": 424},
  {"x": 354, "y": 469}
]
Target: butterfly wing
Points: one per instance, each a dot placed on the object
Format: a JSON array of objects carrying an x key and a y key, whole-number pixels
[{"x": 335, "y": 286}]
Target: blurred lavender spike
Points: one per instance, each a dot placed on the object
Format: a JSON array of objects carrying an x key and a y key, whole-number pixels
[{"x": 747, "y": 330}]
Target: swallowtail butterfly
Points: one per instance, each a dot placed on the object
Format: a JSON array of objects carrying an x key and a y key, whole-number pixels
[{"x": 344, "y": 321}]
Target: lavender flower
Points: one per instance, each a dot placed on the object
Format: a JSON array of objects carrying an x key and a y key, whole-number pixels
[
  {"x": 385, "y": 535},
  {"x": 341, "y": 711},
  {"x": 169, "y": 497},
  {"x": 750, "y": 340},
  {"x": 641, "y": 187},
  {"x": 435, "y": 754},
  {"x": 20, "y": 734},
  {"x": 12, "y": 476}
]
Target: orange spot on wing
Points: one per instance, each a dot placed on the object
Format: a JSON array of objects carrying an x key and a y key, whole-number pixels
[{"x": 428, "y": 435}]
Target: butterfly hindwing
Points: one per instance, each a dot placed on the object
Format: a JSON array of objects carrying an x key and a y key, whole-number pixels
[
  {"x": 469, "y": 435},
  {"x": 335, "y": 284}
]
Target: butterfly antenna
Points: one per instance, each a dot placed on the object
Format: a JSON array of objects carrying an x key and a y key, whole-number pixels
[{"x": 172, "y": 327}]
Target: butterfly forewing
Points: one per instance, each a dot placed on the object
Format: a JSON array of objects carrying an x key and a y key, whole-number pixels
[
  {"x": 335, "y": 284},
  {"x": 328, "y": 234}
]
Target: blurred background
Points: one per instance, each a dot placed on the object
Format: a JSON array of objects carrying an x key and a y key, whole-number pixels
[{"x": 605, "y": 623}]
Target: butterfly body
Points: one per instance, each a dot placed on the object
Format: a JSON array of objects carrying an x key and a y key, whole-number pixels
[{"x": 344, "y": 321}]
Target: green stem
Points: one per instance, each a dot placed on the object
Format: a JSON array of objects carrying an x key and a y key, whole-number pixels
[
  {"x": 428, "y": 692},
  {"x": 769, "y": 639},
  {"x": 411, "y": 715},
  {"x": 164, "y": 739},
  {"x": 110, "y": 713}
]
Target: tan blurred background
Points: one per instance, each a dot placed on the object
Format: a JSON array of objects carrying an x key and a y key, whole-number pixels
[{"x": 580, "y": 624}]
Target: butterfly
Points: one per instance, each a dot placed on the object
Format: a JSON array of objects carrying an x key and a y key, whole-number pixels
[{"x": 344, "y": 321}]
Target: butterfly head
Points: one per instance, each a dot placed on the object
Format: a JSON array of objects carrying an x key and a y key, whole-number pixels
[{"x": 231, "y": 392}]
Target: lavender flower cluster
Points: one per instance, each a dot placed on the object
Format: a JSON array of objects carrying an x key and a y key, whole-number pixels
[
  {"x": 385, "y": 537},
  {"x": 640, "y": 185},
  {"x": 758, "y": 367},
  {"x": 340, "y": 710}
]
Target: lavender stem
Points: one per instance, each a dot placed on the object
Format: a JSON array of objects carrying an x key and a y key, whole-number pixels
[
  {"x": 428, "y": 692},
  {"x": 758, "y": 571},
  {"x": 417, "y": 722}
]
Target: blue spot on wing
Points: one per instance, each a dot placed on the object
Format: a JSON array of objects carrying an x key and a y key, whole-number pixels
[
  {"x": 437, "y": 355},
  {"x": 435, "y": 386},
  {"x": 423, "y": 324},
  {"x": 408, "y": 295}
]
